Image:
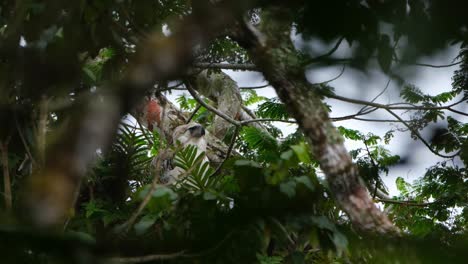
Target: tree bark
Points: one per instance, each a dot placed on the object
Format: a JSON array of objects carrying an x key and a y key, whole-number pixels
[
  {"x": 273, "y": 52},
  {"x": 6, "y": 176}
]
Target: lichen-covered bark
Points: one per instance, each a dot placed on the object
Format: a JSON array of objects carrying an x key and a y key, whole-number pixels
[
  {"x": 273, "y": 52},
  {"x": 223, "y": 90}
]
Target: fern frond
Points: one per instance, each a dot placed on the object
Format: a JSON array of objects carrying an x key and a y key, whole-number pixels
[
  {"x": 259, "y": 139},
  {"x": 191, "y": 161},
  {"x": 132, "y": 148},
  {"x": 251, "y": 97}
]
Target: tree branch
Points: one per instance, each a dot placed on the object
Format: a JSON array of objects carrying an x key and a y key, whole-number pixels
[
  {"x": 147, "y": 258},
  {"x": 408, "y": 203},
  {"x": 226, "y": 66},
  {"x": 209, "y": 107},
  {"x": 329, "y": 53},
  {"x": 416, "y": 133}
]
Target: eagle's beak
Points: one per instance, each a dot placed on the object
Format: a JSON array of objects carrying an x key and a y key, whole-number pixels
[{"x": 197, "y": 131}]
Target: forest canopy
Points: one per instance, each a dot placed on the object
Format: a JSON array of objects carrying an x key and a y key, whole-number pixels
[{"x": 126, "y": 139}]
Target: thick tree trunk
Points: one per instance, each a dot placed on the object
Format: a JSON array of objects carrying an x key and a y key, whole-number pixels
[{"x": 274, "y": 54}]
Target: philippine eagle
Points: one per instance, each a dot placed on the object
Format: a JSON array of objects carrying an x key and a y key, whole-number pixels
[{"x": 183, "y": 136}]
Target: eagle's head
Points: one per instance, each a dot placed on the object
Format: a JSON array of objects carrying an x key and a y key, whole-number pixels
[{"x": 190, "y": 134}]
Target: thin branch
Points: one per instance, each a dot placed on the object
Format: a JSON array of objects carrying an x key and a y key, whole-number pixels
[
  {"x": 375, "y": 120},
  {"x": 147, "y": 258},
  {"x": 391, "y": 107},
  {"x": 245, "y": 122},
  {"x": 42, "y": 129},
  {"x": 416, "y": 133},
  {"x": 378, "y": 95},
  {"x": 342, "y": 118},
  {"x": 209, "y": 107},
  {"x": 255, "y": 87},
  {"x": 408, "y": 203},
  {"x": 334, "y": 78},
  {"x": 212, "y": 249},
  {"x": 193, "y": 113},
  {"x": 329, "y": 53},
  {"x": 456, "y": 111},
  {"x": 227, "y": 66},
  {"x": 228, "y": 153},
  {"x": 179, "y": 254},
  {"x": 429, "y": 65},
  {"x": 23, "y": 140}
]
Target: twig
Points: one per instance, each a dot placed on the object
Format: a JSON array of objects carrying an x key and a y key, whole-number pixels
[
  {"x": 228, "y": 153},
  {"x": 416, "y": 133},
  {"x": 245, "y": 122},
  {"x": 334, "y": 78},
  {"x": 255, "y": 87},
  {"x": 409, "y": 203},
  {"x": 23, "y": 140},
  {"x": 42, "y": 129},
  {"x": 391, "y": 107},
  {"x": 193, "y": 113},
  {"x": 227, "y": 66},
  {"x": 330, "y": 52},
  {"x": 369, "y": 120},
  {"x": 147, "y": 258},
  {"x": 378, "y": 95},
  {"x": 209, "y": 107},
  {"x": 212, "y": 249},
  {"x": 429, "y": 65}
]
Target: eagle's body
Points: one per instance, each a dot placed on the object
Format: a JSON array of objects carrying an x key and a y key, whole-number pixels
[{"x": 183, "y": 136}]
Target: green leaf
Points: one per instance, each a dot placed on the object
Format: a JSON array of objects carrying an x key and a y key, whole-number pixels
[
  {"x": 90, "y": 74},
  {"x": 302, "y": 152},
  {"x": 402, "y": 186},
  {"x": 162, "y": 191},
  {"x": 288, "y": 188},
  {"x": 145, "y": 222},
  {"x": 384, "y": 53},
  {"x": 350, "y": 133},
  {"x": 464, "y": 152},
  {"x": 305, "y": 180}
]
